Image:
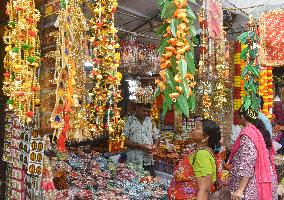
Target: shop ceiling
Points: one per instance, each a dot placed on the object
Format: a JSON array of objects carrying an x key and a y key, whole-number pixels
[{"x": 142, "y": 16}]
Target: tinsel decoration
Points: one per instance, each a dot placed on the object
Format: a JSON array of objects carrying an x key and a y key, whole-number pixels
[
  {"x": 266, "y": 89},
  {"x": 22, "y": 59},
  {"x": 222, "y": 68},
  {"x": 213, "y": 70},
  {"x": 250, "y": 73},
  {"x": 69, "y": 117},
  {"x": 203, "y": 72},
  {"x": 177, "y": 59},
  {"x": 105, "y": 114}
]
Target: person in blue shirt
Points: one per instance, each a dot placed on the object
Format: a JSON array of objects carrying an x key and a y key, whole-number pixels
[{"x": 263, "y": 118}]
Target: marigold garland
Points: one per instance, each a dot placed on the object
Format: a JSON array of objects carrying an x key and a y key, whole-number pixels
[
  {"x": 250, "y": 72},
  {"x": 22, "y": 59},
  {"x": 242, "y": 64},
  {"x": 266, "y": 89},
  {"x": 177, "y": 59},
  {"x": 237, "y": 81}
]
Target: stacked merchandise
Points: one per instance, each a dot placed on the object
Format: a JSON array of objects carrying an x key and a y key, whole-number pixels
[
  {"x": 96, "y": 176},
  {"x": 47, "y": 70},
  {"x": 14, "y": 156}
]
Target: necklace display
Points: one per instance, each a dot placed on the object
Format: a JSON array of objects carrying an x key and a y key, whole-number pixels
[{"x": 22, "y": 59}]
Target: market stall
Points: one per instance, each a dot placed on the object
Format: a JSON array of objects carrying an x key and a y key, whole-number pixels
[{"x": 77, "y": 71}]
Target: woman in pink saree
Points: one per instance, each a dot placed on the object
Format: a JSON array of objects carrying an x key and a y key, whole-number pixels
[{"x": 253, "y": 175}]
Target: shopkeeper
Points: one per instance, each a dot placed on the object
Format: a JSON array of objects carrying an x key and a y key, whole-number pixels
[{"x": 141, "y": 137}]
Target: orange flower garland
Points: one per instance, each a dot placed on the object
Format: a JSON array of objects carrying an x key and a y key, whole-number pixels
[
  {"x": 266, "y": 90},
  {"x": 239, "y": 92},
  {"x": 177, "y": 60},
  {"x": 243, "y": 64},
  {"x": 237, "y": 78}
]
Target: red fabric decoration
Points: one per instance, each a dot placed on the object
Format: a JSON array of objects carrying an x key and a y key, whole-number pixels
[
  {"x": 169, "y": 118},
  {"x": 272, "y": 38},
  {"x": 215, "y": 19},
  {"x": 63, "y": 135}
]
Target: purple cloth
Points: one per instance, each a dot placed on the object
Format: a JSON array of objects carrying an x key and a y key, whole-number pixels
[{"x": 243, "y": 165}]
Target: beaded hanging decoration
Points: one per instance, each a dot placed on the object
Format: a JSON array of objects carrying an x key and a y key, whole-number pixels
[
  {"x": 104, "y": 113},
  {"x": 69, "y": 116},
  {"x": 22, "y": 59}
]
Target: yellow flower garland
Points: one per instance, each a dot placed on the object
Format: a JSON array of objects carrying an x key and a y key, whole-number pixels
[{"x": 266, "y": 90}]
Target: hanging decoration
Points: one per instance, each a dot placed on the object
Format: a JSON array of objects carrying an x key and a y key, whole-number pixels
[
  {"x": 138, "y": 59},
  {"x": 266, "y": 90},
  {"x": 218, "y": 60},
  {"x": 177, "y": 59},
  {"x": 243, "y": 64},
  {"x": 213, "y": 70},
  {"x": 271, "y": 26},
  {"x": 215, "y": 19},
  {"x": 203, "y": 73},
  {"x": 51, "y": 7},
  {"x": 69, "y": 117},
  {"x": 144, "y": 95},
  {"x": 250, "y": 73},
  {"x": 22, "y": 59},
  {"x": 105, "y": 114},
  {"x": 237, "y": 82}
]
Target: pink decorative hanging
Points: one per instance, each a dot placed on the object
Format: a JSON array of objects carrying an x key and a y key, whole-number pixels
[{"x": 215, "y": 19}]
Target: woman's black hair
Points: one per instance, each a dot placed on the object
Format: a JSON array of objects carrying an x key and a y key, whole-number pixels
[
  {"x": 211, "y": 129},
  {"x": 259, "y": 125}
]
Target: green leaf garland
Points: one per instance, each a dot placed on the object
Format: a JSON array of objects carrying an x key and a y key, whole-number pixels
[
  {"x": 250, "y": 73},
  {"x": 177, "y": 61}
]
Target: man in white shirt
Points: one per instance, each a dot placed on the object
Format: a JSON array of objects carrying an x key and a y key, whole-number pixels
[{"x": 141, "y": 137}]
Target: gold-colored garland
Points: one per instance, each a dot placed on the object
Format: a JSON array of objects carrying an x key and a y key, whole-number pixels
[
  {"x": 105, "y": 114},
  {"x": 69, "y": 117},
  {"x": 203, "y": 72},
  {"x": 22, "y": 59}
]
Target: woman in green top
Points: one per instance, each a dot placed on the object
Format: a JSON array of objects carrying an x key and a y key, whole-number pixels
[{"x": 195, "y": 175}]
